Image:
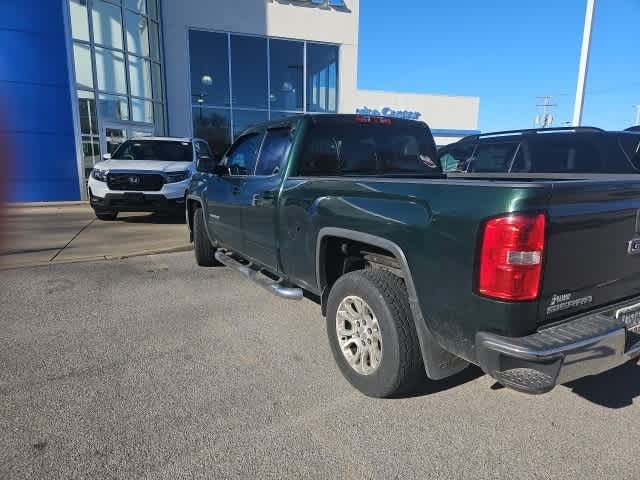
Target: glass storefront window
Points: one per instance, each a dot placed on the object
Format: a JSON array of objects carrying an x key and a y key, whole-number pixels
[
  {"x": 112, "y": 107},
  {"x": 277, "y": 115},
  {"x": 141, "y": 110},
  {"x": 110, "y": 71},
  {"x": 139, "y": 77},
  {"x": 249, "y": 71},
  {"x": 209, "y": 68},
  {"x": 79, "y": 19},
  {"x": 322, "y": 78},
  {"x": 156, "y": 82},
  {"x": 137, "y": 5},
  {"x": 107, "y": 24},
  {"x": 243, "y": 119},
  {"x": 152, "y": 6},
  {"x": 90, "y": 153},
  {"x": 87, "y": 113},
  {"x": 82, "y": 62},
  {"x": 137, "y": 34},
  {"x": 158, "y": 118},
  {"x": 213, "y": 125},
  {"x": 154, "y": 40},
  {"x": 287, "y": 74}
]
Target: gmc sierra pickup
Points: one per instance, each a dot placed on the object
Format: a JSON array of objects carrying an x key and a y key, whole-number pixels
[{"x": 534, "y": 279}]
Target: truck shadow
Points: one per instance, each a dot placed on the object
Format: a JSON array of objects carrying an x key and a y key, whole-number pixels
[
  {"x": 429, "y": 387},
  {"x": 153, "y": 218},
  {"x": 615, "y": 388}
]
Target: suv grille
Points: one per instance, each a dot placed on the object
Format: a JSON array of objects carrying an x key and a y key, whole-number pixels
[{"x": 135, "y": 181}]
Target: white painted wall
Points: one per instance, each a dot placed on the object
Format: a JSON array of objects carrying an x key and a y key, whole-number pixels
[{"x": 275, "y": 18}]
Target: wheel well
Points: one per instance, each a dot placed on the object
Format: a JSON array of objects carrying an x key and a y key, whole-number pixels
[
  {"x": 339, "y": 256},
  {"x": 191, "y": 208}
]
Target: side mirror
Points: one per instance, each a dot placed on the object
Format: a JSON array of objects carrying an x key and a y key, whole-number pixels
[
  {"x": 106, "y": 156},
  {"x": 205, "y": 163},
  {"x": 221, "y": 170}
]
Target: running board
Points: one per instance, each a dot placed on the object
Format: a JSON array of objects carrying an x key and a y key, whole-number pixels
[{"x": 273, "y": 286}]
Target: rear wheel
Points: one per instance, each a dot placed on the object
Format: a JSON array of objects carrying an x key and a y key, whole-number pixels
[
  {"x": 204, "y": 251},
  {"x": 372, "y": 334},
  {"x": 106, "y": 215}
]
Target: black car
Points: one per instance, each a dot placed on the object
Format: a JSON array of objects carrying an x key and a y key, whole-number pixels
[{"x": 570, "y": 150}]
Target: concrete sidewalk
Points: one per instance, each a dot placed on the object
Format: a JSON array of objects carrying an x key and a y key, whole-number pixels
[{"x": 62, "y": 233}]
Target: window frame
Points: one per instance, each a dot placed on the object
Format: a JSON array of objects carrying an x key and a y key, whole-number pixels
[
  {"x": 260, "y": 133},
  {"x": 285, "y": 159}
]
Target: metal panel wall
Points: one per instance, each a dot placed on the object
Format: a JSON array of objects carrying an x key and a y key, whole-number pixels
[{"x": 36, "y": 118}]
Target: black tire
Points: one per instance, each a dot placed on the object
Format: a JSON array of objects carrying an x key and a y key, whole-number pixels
[
  {"x": 401, "y": 367},
  {"x": 204, "y": 251},
  {"x": 106, "y": 215}
]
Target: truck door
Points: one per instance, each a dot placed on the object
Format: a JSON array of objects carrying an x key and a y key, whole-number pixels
[
  {"x": 224, "y": 199},
  {"x": 260, "y": 198}
]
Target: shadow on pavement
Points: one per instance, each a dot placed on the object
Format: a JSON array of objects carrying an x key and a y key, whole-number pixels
[
  {"x": 154, "y": 218},
  {"x": 612, "y": 389},
  {"x": 430, "y": 386}
]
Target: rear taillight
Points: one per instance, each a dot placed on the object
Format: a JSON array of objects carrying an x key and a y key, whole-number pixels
[{"x": 511, "y": 257}]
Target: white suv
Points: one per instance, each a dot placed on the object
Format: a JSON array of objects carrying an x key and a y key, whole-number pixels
[{"x": 148, "y": 174}]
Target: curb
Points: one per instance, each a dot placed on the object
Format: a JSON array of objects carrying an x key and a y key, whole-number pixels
[
  {"x": 45, "y": 204},
  {"x": 100, "y": 258}
]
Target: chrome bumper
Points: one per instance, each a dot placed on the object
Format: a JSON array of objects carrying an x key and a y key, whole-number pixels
[{"x": 586, "y": 345}]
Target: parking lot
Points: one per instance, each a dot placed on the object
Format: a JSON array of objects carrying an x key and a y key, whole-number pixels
[{"x": 149, "y": 367}]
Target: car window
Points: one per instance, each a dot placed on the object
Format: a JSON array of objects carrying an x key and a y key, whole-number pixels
[
  {"x": 630, "y": 143},
  {"x": 274, "y": 151},
  {"x": 241, "y": 159},
  {"x": 368, "y": 149},
  {"x": 576, "y": 153},
  {"x": 165, "y": 150},
  {"x": 492, "y": 157},
  {"x": 202, "y": 149},
  {"x": 454, "y": 158}
]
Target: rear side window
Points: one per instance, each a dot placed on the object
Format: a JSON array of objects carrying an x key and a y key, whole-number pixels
[
  {"x": 492, "y": 157},
  {"x": 455, "y": 158},
  {"x": 274, "y": 151},
  {"x": 575, "y": 153},
  {"x": 630, "y": 143},
  {"x": 368, "y": 149}
]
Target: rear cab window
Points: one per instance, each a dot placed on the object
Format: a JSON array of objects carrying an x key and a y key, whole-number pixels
[{"x": 369, "y": 146}]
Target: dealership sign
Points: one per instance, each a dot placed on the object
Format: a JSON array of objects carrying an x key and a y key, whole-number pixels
[
  {"x": 336, "y": 4},
  {"x": 389, "y": 112}
]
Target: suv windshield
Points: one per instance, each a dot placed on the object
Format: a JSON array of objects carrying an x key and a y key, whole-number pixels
[
  {"x": 165, "y": 150},
  {"x": 369, "y": 149}
]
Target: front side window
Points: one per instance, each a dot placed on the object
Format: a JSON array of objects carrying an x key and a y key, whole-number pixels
[
  {"x": 241, "y": 159},
  {"x": 275, "y": 150},
  {"x": 167, "y": 151}
]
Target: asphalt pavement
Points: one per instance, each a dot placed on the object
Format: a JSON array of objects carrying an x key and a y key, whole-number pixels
[{"x": 150, "y": 367}]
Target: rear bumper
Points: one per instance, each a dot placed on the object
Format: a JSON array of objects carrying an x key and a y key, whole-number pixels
[
  {"x": 136, "y": 202},
  {"x": 586, "y": 345}
]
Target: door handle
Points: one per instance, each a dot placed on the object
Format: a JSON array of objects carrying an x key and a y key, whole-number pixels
[{"x": 235, "y": 190}]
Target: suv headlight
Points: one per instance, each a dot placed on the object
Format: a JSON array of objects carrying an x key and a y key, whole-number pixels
[
  {"x": 178, "y": 176},
  {"x": 100, "y": 175}
]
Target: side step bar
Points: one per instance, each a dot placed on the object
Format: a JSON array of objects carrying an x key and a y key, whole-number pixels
[{"x": 273, "y": 286}]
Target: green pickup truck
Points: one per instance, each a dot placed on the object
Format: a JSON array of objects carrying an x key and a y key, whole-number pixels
[{"x": 535, "y": 279}]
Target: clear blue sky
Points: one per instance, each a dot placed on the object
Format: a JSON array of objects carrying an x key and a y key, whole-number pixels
[{"x": 506, "y": 52}]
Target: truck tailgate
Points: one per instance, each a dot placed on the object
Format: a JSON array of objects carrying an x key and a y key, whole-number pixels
[{"x": 591, "y": 258}]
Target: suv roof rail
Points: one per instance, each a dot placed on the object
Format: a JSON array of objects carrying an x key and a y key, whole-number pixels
[
  {"x": 635, "y": 128},
  {"x": 533, "y": 131}
]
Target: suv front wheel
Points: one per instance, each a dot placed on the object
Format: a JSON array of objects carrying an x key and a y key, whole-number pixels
[
  {"x": 106, "y": 215},
  {"x": 372, "y": 334}
]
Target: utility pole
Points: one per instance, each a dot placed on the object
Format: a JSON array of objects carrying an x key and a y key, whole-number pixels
[
  {"x": 637, "y": 107},
  {"x": 584, "y": 63},
  {"x": 546, "y": 119}
]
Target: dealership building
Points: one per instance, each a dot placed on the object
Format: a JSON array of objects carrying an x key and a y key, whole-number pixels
[{"x": 78, "y": 77}]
